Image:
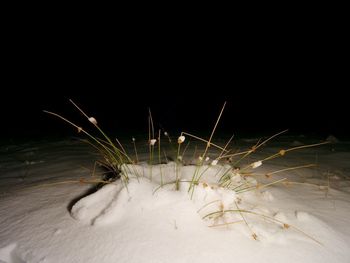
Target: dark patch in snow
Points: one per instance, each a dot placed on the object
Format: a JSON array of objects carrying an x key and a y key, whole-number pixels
[{"x": 90, "y": 191}]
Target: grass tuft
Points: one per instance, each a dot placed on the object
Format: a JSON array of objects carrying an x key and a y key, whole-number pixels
[{"x": 234, "y": 168}]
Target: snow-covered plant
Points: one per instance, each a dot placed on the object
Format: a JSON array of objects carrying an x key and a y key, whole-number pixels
[{"x": 236, "y": 175}]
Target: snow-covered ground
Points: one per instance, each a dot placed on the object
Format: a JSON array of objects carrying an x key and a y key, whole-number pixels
[{"x": 46, "y": 218}]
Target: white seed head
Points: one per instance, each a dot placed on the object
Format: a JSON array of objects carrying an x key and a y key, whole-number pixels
[
  {"x": 181, "y": 139},
  {"x": 200, "y": 158},
  {"x": 179, "y": 158},
  {"x": 214, "y": 162},
  {"x": 93, "y": 120},
  {"x": 133, "y": 139},
  {"x": 166, "y": 133},
  {"x": 152, "y": 142},
  {"x": 207, "y": 158},
  {"x": 256, "y": 164}
]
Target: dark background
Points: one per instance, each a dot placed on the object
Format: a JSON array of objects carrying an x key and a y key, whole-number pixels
[{"x": 271, "y": 80}]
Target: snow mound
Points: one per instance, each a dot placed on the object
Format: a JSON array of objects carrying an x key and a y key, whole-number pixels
[
  {"x": 207, "y": 204},
  {"x": 115, "y": 201}
]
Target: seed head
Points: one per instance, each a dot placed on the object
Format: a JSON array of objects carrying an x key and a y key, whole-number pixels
[
  {"x": 93, "y": 120},
  {"x": 256, "y": 164},
  {"x": 214, "y": 162},
  {"x": 181, "y": 139}
]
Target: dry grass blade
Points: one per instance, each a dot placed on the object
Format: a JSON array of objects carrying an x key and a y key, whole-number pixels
[
  {"x": 283, "y": 152},
  {"x": 203, "y": 140}
]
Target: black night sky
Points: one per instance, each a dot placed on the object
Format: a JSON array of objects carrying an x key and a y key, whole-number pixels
[
  {"x": 268, "y": 87},
  {"x": 178, "y": 102}
]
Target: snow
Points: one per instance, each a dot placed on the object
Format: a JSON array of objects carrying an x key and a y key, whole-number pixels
[{"x": 49, "y": 215}]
